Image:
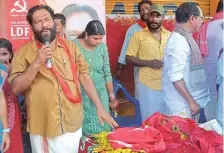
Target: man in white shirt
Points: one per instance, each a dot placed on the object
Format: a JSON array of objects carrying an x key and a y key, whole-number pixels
[{"x": 184, "y": 82}]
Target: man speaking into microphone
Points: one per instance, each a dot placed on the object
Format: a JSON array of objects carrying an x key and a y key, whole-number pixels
[{"x": 52, "y": 93}]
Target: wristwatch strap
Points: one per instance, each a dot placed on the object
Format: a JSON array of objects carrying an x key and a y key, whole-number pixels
[{"x": 6, "y": 130}]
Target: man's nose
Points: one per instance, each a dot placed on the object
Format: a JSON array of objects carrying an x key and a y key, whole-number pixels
[
  {"x": 146, "y": 11},
  {"x": 45, "y": 24},
  {"x": 154, "y": 18}
]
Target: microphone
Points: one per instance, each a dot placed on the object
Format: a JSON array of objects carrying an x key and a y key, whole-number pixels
[{"x": 46, "y": 39}]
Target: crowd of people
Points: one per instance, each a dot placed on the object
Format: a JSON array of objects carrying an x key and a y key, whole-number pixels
[
  {"x": 74, "y": 97},
  {"x": 175, "y": 73}
]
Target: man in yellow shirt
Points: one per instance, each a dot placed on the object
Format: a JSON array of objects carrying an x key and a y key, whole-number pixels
[
  {"x": 52, "y": 95},
  {"x": 145, "y": 51}
]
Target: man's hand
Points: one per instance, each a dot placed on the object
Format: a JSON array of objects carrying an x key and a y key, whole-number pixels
[
  {"x": 5, "y": 142},
  {"x": 103, "y": 116},
  {"x": 155, "y": 64},
  {"x": 43, "y": 54},
  {"x": 88, "y": 85},
  {"x": 118, "y": 74},
  {"x": 195, "y": 108},
  {"x": 113, "y": 105}
]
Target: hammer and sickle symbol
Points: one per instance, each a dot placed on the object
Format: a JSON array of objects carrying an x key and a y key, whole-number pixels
[{"x": 22, "y": 8}]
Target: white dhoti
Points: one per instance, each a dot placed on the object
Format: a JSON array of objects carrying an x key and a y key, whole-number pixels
[
  {"x": 185, "y": 113},
  {"x": 66, "y": 143},
  {"x": 151, "y": 101},
  {"x": 182, "y": 109}
]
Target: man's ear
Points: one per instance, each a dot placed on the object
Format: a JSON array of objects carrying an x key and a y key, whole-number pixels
[{"x": 191, "y": 19}]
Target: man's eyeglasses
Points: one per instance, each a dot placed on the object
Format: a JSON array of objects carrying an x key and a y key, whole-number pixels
[{"x": 201, "y": 17}]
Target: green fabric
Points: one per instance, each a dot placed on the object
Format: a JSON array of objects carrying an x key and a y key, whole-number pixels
[{"x": 99, "y": 68}]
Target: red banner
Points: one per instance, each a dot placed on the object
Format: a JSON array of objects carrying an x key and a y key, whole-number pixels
[{"x": 19, "y": 31}]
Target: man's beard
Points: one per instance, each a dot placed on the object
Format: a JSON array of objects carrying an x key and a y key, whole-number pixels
[
  {"x": 149, "y": 24},
  {"x": 39, "y": 37}
]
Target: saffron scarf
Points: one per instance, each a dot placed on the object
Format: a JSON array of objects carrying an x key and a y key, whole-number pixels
[
  {"x": 141, "y": 23},
  {"x": 68, "y": 93}
]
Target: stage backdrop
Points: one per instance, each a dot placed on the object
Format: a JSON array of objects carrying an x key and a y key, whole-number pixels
[{"x": 78, "y": 13}]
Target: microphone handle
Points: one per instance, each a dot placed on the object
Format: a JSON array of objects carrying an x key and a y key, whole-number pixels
[{"x": 48, "y": 62}]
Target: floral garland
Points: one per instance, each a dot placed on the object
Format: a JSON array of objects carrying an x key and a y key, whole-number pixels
[
  {"x": 166, "y": 134},
  {"x": 105, "y": 147}
]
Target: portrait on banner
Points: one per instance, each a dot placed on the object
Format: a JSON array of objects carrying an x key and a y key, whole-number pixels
[{"x": 78, "y": 13}]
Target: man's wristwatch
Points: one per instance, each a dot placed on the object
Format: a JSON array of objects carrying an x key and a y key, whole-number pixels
[{"x": 6, "y": 130}]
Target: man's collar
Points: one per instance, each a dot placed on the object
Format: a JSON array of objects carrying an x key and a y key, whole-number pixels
[
  {"x": 146, "y": 28},
  {"x": 37, "y": 45}
]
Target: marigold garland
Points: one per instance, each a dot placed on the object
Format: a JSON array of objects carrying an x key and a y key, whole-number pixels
[{"x": 105, "y": 147}]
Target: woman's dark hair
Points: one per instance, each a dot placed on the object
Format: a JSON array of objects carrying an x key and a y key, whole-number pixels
[
  {"x": 186, "y": 10},
  {"x": 4, "y": 43},
  {"x": 94, "y": 27},
  {"x": 35, "y": 8},
  {"x": 220, "y": 6},
  {"x": 143, "y": 2}
]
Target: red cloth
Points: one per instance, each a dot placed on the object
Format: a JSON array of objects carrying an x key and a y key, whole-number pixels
[
  {"x": 160, "y": 133},
  {"x": 147, "y": 139},
  {"x": 141, "y": 23},
  {"x": 114, "y": 42},
  {"x": 87, "y": 144},
  {"x": 74, "y": 69},
  {"x": 198, "y": 140},
  {"x": 169, "y": 24},
  {"x": 13, "y": 120},
  {"x": 203, "y": 44}
]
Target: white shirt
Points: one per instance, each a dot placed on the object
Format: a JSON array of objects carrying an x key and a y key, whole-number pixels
[{"x": 177, "y": 67}]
